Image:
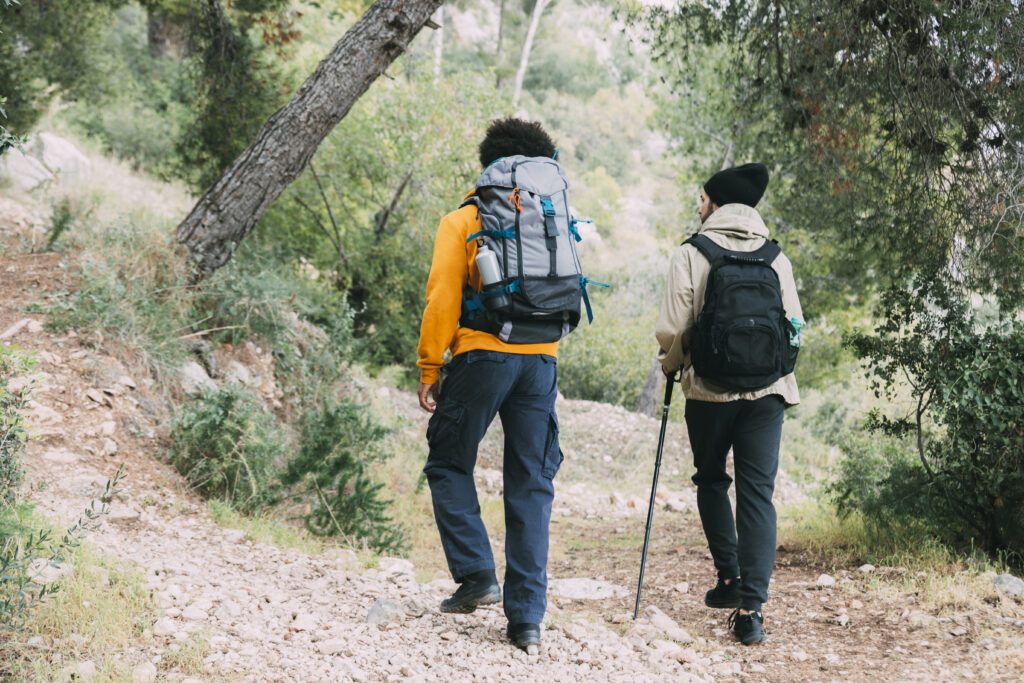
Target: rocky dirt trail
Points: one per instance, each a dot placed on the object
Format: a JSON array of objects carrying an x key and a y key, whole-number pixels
[{"x": 273, "y": 614}]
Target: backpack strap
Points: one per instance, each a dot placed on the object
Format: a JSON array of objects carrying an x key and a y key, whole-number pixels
[
  {"x": 766, "y": 253},
  {"x": 712, "y": 252},
  {"x": 769, "y": 251},
  {"x": 550, "y": 233}
]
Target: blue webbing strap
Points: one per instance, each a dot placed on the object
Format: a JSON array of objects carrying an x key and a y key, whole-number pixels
[
  {"x": 507, "y": 233},
  {"x": 474, "y": 301},
  {"x": 576, "y": 231},
  {"x": 584, "y": 281},
  {"x": 473, "y": 304}
]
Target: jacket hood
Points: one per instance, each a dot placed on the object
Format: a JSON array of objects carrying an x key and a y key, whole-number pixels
[{"x": 736, "y": 220}]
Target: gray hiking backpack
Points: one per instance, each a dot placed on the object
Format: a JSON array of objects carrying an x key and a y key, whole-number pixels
[{"x": 524, "y": 220}]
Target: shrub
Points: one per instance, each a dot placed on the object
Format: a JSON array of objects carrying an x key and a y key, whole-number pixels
[
  {"x": 608, "y": 360},
  {"x": 225, "y": 444},
  {"x": 338, "y": 444},
  {"x": 966, "y": 482},
  {"x": 12, "y": 428},
  {"x": 21, "y": 547}
]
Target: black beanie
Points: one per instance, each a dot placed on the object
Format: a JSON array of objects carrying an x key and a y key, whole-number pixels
[{"x": 738, "y": 185}]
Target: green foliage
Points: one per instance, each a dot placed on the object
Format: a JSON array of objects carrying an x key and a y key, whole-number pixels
[
  {"x": 339, "y": 442},
  {"x": 12, "y": 427},
  {"x": 235, "y": 89},
  {"x": 258, "y": 295},
  {"x": 23, "y": 549},
  {"x": 128, "y": 288},
  {"x": 608, "y": 360},
  {"x": 608, "y": 129},
  {"x": 894, "y": 129},
  {"x": 967, "y": 420},
  {"x": 142, "y": 120},
  {"x": 226, "y": 445},
  {"x": 366, "y": 210},
  {"x": 37, "y": 51},
  {"x": 7, "y": 138}
]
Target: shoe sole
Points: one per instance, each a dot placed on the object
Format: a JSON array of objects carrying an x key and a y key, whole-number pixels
[
  {"x": 470, "y": 607},
  {"x": 722, "y": 605},
  {"x": 756, "y": 640}
]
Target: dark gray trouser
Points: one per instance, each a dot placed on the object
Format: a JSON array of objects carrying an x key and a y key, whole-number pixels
[
  {"x": 521, "y": 389},
  {"x": 752, "y": 429}
]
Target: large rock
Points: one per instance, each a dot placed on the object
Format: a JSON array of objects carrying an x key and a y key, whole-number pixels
[
  {"x": 667, "y": 625},
  {"x": 24, "y": 172},
  {"x": 58, "y": 155},
  {"x": 395, "y": 565},
  {"x": 1009, "y": 584},
  {"x": 38, "y": 414},
  {"x": 61, "y": 455},
  {"x": 384, "y": 612},
  {"x": 585, "y": 589},
  {"x": 194, "y": 377},
  {"x": 144, "y": 673}
]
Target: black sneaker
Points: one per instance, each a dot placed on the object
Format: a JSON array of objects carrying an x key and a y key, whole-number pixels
[
  {"x": 525, "y": 636},
  {"x": 748, "y": 628},
  {"x": 724, "y": 594},
  {"x": 472, "y": 594}
]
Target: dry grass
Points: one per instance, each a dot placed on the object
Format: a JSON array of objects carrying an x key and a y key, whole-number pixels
[
  {"x": 98, "y": 615},
  {"x": 915, "y": 567}
]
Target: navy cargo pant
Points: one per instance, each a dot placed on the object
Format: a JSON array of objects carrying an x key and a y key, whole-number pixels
[
  {"x": 521, "y": 389},
  {"x": 752, "y": 429}
]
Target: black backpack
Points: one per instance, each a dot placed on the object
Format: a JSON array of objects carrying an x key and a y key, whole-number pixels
[{"x": 742, "y": 340}]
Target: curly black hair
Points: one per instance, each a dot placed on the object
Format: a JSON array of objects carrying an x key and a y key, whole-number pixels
[{"x": 511, "y": 136}]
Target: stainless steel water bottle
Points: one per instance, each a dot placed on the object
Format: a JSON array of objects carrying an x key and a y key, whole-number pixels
[{"x": 490, "y": 277}]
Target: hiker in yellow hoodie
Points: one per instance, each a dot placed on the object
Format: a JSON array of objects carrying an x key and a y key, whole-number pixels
[{"x": 503, "y": 368}]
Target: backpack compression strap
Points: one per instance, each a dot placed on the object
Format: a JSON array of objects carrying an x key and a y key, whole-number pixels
[{"x": 550, "y": 233}]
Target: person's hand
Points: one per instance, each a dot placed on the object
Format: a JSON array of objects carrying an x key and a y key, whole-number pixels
[{"x": 423, "y": 392}]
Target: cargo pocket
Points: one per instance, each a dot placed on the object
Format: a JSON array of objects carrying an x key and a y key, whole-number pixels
[
  {"x": 443, "y": 431},
  {"x": 552, "y": 453}
]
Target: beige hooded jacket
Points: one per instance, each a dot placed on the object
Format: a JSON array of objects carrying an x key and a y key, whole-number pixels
[{"x": 737, "y": 227}]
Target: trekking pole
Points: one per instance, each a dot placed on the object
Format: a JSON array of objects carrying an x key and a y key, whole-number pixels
[{"x": 669, "y": 381}]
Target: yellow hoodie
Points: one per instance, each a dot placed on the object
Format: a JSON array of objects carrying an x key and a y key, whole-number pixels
[{"x": 451, "y": 271}]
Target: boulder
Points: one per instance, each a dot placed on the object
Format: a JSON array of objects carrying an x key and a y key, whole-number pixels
[
  {"x": 585, "y": 589},
  {"x": 24, "y": 172},
  {"x": 1008, "y": 584},
  {"x": 194, "y": 377},
  {"x": 144, "y": 673},
  {"x": 384, "y": 612},
  {"x": 395, "y": 565},
  {"x": 58, "y": 155}
]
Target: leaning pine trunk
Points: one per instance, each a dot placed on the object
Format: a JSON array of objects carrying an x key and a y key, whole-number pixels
[{"x": 229, "y": 210}]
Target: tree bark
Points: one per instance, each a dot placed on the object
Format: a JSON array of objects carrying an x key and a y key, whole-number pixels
[
  {"x": 229, "y": 210},
  {"x": 524, "y": 59},
  {"x": 497, "y": 51},
  {"x": 439, "y": 44},
  {"x": 647, "y": 403},
  {"x": 164, "y": 35}
]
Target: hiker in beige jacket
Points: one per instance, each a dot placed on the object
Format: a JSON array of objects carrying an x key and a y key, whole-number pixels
[
  {"x": 718, "y": 420},
  {"x": 739, "y": 228}
]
